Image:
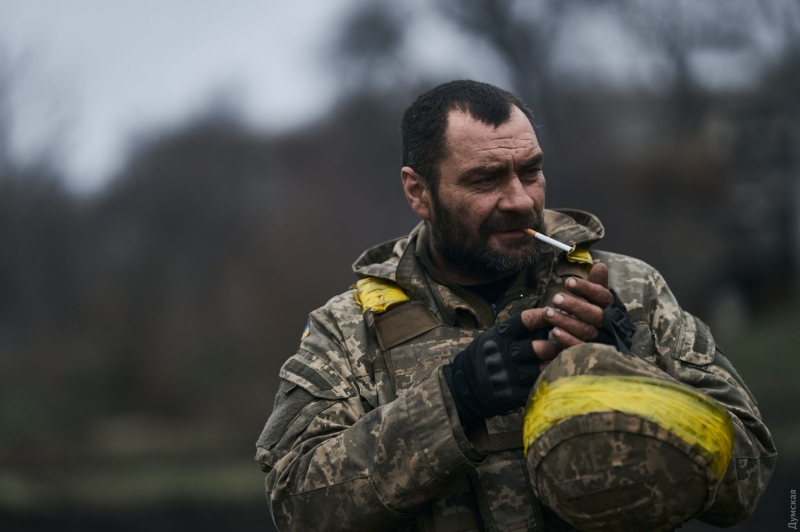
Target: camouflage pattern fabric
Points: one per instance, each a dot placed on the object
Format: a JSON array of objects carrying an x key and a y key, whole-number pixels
[
  {"x": 613, "y": 471},
  {"x": 362, "y": 454}
]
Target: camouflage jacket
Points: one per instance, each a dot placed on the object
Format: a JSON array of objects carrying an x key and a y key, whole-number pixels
[{"x": 364, "y": 439}]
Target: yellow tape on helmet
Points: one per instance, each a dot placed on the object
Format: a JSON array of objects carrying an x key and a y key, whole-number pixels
[{"x": 695, "y": 418}]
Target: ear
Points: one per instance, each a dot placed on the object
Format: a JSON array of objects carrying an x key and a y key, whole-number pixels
[{"x": 417, "y": 192}]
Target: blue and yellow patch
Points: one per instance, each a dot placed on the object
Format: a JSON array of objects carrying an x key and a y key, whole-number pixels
[{"x": 306, "y": 331}]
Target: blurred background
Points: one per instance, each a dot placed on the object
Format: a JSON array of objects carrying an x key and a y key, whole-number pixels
[{"x": 180, "y": 184}]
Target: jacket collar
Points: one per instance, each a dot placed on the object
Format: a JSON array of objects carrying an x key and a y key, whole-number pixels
[{"x": 405, "y": 261}]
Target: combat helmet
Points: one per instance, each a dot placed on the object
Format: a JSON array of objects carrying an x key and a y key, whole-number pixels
[{"x": 613, "y": 443}]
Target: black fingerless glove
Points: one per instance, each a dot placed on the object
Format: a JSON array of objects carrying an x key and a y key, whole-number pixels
[
  {"x": 617, "y": 329},
  {"x": 496, "y": 371}
]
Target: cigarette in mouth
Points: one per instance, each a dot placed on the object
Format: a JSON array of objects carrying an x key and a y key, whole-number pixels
[{"x": 549, "y": 240}]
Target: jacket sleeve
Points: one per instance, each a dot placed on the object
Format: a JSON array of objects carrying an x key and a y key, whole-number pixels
[
  {"x": 684, "y": 347},
  {"x": 335, "y": 463}
]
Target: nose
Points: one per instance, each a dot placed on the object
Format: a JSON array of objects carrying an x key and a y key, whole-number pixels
[{"x": 514, "y": 198}]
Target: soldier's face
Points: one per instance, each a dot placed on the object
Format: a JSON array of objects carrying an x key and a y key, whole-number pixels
[{"x": 491, "y": 186}]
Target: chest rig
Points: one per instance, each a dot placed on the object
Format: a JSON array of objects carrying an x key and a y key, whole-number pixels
[{"x": 497, "y": 496}]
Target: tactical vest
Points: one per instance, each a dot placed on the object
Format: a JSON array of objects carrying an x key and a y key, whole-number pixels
[{"x": 497, "y": 496}]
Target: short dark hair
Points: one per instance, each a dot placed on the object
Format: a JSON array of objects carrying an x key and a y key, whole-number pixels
[{"x": 424, "y": 123}]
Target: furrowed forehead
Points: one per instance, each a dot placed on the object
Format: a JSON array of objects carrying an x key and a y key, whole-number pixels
[
  {"x": 472, "y": 147},
  {"x": 467, "y": 136}
]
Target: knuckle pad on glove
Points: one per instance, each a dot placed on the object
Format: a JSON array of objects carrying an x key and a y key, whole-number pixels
[
  {"x": 522, "y": 351},
  {"x": 496, "y": 370},
  {"x": 513, "y": 327}
]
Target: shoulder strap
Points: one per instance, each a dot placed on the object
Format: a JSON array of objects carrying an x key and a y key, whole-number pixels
[
  {"x": 403, "y": 323},
  {"x": 396, "y": 318}
]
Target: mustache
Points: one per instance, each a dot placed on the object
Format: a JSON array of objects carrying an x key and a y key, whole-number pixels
[{"x": 510, "y": 222}]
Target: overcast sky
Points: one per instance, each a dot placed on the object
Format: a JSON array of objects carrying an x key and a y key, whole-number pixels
[
  {"x": 88, "y": 74},
  {"x": 91, "y": 72}
]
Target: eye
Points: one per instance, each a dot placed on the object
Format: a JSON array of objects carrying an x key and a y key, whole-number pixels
[{"x": 532, "y": 171}]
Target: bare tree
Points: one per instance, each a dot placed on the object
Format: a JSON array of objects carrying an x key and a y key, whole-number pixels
[
  {"x": 677, "y": 30},
  {"x": 368, "y": 50},
  {"x": 523, "y": 35}
]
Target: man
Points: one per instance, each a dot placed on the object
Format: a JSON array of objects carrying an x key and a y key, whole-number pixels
[{"x": 397, "y": 413}]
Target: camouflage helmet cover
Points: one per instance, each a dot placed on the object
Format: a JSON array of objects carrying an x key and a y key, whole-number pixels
[{"x": 613, "y": 443}]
